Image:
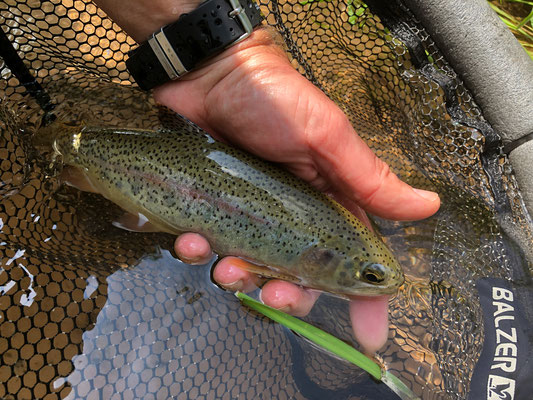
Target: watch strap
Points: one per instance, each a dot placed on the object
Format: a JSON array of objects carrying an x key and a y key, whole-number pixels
[{"x": 195, "y": 37}]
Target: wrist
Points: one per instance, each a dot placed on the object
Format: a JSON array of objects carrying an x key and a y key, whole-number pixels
[
  {"x": 186, "y": 44},
  {"x": 140, "y": 18}
]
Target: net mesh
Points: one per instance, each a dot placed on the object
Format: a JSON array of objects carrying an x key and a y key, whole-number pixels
[{"x": 91, "y": 311}]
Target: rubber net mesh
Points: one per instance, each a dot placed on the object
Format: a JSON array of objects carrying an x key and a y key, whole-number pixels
[{"x": 88, "y": 310}]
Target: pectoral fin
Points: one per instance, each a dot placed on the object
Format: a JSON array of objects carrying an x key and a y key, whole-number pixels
[
  {"x": 265, "y": 271},
  {"x": 72, "y": 176},
  {"x": 135, "y": 223}
]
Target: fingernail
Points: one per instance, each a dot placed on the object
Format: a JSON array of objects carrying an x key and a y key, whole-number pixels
[
  {"x": 426, "y": 194},
  {"x": 195, "y": 261},
  {"x": 233, "y": 286},
  {"x": 286, "y": 309}
]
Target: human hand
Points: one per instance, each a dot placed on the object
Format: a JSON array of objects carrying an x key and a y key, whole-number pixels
[
  {"x": 368, "y": 315},
  {"x": 252, "y": 97}
]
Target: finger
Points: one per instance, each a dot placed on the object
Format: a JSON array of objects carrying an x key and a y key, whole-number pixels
[
  {"x": 193, "y": 248},
  {"x": 357, "y": 172},
  {"x": 370, "y": 321},
  {"x": 231, "y": 273},
  {"x": 288, "y": 297}
]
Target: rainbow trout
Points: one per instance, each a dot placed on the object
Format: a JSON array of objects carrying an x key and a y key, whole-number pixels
[{"x": 185, "y": 181}]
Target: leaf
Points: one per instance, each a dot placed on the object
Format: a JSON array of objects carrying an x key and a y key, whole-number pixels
[
  {"x": 525, "y": 20},
  {"x": 331, "y": 344}
]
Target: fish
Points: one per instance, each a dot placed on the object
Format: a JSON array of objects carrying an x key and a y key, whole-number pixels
[{"x": 182, "y": 180}]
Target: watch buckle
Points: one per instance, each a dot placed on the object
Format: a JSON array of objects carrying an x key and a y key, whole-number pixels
[{"x": 238, "y": 11}]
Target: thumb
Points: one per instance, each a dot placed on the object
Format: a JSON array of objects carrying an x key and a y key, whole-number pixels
[{"x": 362, "y": 177}]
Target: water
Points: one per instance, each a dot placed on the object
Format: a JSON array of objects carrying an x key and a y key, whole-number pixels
[
  {"x": 115, "y": 311},
  {"x": 89, "y": 309}
]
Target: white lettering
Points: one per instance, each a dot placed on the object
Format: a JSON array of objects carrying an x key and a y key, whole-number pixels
[
  {"x": 502, "y": 294},
  {"x": 506, "y": 349},
  {"x": 499, "y": 388},
  {"x": 502, "y": 307},
  {"x": 507, "y": 364},
  {"x": 502, "y": 318},
  {"x": 500, "y": 333},
  {"x": 506, "y": 352}
]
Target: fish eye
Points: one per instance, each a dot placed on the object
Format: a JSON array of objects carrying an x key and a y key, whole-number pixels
[{"x": 373, "y": 273}]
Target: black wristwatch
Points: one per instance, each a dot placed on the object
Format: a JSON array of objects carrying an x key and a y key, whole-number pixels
[{"x": 181, "y": 46}]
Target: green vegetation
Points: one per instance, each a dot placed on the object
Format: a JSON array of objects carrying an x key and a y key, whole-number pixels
[
  {"x": 355, "y": 9},
  {"x": 518, "y": 16},
  {"x": 332, "y": 344}
]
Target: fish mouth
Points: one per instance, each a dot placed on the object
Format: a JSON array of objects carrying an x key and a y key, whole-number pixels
[
  {"x": 371, "y": 291},
  {"x": 361, "y": 289},
  {"x": 376, "y": 280}
]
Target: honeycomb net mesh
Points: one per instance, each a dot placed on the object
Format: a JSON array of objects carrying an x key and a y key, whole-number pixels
[{"x": 91, "y": 311}]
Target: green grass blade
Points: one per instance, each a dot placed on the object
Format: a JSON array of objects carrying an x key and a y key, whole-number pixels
[
  {"x": 316, "y": 335},
  {"x": 397, "y": 386},
  {"x": 525, "y": 20},
  {"x": 529, "y": 3},
  {"x": 501, "y": 12},
  {"x": 521, "y": 29},
  {"x": 330, "y": 343}
]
